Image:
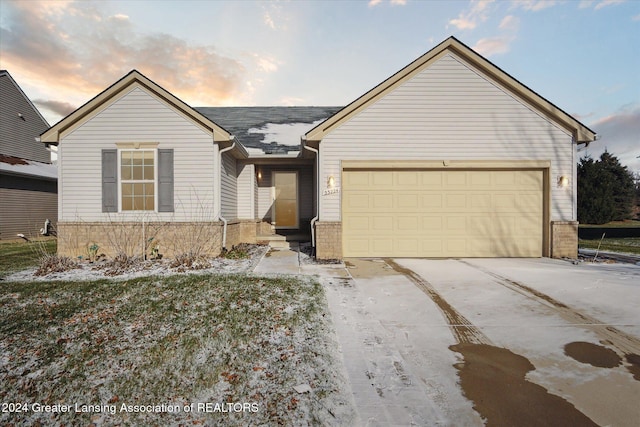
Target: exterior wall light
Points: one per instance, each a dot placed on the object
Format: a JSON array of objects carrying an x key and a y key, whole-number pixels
[
  {"x": 259, "y": 174},
  {"x": 563, "y": 181},
  {"x": 331, "y": 182}
]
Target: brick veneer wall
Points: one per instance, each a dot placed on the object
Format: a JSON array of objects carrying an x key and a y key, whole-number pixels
[
  {"x": 172, "y": 238},
  {"x": 564, "y": 239},
  {"x": 329, "y": 240}
]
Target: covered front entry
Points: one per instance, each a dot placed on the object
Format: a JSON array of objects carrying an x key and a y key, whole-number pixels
[
  {"x": 443, "y": 212},
  {"x": 285, "y": 199}
]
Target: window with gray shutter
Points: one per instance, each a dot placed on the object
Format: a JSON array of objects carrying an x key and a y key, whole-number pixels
[
  {"x": 165, "y": 180},
  {"x": 109, "y": 180}
]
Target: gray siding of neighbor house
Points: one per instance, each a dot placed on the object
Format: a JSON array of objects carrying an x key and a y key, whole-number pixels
[
  {"x": 136, "y": 115},
  {"x": 229, "y": 190},
  {"x": 25, "y": 203},
  {"x": 450, "y": 111},
  {"x": 17, "y": 135}
]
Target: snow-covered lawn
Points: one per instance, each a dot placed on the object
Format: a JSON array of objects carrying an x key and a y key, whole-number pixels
[{"x": 187, "y": 349}]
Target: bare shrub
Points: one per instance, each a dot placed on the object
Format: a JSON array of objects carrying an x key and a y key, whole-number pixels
[
  {"x": 120, "y": 264},
  {"x": 190, "y": 260},
  {"x": 52, "y": 263}
]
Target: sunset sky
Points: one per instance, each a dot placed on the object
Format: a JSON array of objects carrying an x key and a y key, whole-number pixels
[{"x": 584, "y": 56}]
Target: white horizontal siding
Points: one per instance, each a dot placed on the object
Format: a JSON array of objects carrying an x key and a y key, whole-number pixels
[
  {"x": 449, "y": 111},
  {"x": 264, "y": 194},
  {"x": 229, "y": 190},
  {"x": 246, "y": 196},
  {"x": 137, "y": 116}
]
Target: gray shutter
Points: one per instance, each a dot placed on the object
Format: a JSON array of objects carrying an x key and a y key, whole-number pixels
[
  {"x": 109, "y": 180},
  {"x": 165, "y": 180}
]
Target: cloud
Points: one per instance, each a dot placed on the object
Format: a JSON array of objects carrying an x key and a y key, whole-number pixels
[
  {"x": 266, "y": 64},
  {"x": 492, "y": 45},
  {"x": 510, "y": 23},
  {"x": 606, "y": 3},
  {"x": 618, "y": 133},
  {"x": 468, "y": 20},
  {"x": 373, "y": 3},
  {"x": 636, "y": 18},
  {"x": 77, "y": 49},
  {"x": 584, "y": 4},
  {"x": 534, "y": 5},
  {"x": 57, "y": 107},
  {"x": 489, "y": 46}
]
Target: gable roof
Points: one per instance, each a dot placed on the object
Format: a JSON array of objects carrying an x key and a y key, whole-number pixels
[
  {"x": 274, "y": 131},
  {"x": 21, "y": 122},
  {"x": 580, "y": 132},
  {"x": 134, "y": 77}
]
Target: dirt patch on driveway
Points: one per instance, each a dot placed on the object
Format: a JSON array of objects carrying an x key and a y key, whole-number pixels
[
  {"x": 634, "y": 365},
  {"x": 593, "y": 354},
  {"x": 494, "y": 379}
]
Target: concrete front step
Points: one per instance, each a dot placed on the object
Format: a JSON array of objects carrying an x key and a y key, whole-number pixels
[{"x": 283, "y": 241}]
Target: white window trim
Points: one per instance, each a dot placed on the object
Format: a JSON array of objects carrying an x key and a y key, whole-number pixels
[{"x": 155, "y": 179}]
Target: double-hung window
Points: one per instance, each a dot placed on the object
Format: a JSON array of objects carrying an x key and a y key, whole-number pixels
[{"x": 138, "y": 180}]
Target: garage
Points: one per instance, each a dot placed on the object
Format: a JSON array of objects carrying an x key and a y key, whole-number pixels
[{"x": 390, "y": 212}]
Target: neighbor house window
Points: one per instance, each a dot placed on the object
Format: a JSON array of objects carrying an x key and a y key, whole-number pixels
[{"x": 138, "y": 180}]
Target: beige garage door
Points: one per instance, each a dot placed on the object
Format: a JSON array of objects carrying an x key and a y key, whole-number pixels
[{"x": 442, "y": 213}]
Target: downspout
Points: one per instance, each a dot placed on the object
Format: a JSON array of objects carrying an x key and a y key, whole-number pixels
[
  {"x": 220, "y": 217},
  {"x": 315, "y": 218}
]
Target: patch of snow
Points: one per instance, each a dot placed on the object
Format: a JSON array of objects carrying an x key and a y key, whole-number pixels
[
  {"x": 44, "y": 170},
  {"x": 95, "y": 271},
  {"x": 284, "y": 134}
]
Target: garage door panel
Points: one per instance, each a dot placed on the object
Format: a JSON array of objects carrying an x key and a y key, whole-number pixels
[
  {"x": 357, "y": 223},
  {"x": 456, "y": 180},
  {"x": 431, "y": 201},
  {"x": 407, "y": 201},
  {"x": 431, "y": 223},
  {"x": 443, "y": 213},
  {"x": 382, "y": 223},
  {"x": 383, "y": 201},
  {"x": 382, "y": 179}
]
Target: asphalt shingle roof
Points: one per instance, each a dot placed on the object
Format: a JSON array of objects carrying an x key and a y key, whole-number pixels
[{"x": 266, "y": 128}]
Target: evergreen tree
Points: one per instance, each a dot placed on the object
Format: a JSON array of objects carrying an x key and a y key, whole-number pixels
[{"x": 606, "y": 190}]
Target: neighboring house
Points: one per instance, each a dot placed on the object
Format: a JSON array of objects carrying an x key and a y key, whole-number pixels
[
  {"x": 449, "y": 157},
  {"x": 28, "y": 180}
]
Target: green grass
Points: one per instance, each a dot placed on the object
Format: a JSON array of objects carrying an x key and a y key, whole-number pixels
[
  {"x": 16, "y": 256},
  {"x": 176, "y": 340},
  {"x": 625, "y": 245}
]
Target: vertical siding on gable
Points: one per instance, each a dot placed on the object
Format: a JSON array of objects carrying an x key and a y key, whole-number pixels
[
  {"x": 17, "y": 135},
  {"x": 246, "y": 191},
  {"x": 137, "y": 116},
  {"x": 449, "y": 111},
  {"x": 229, "y": 190}
]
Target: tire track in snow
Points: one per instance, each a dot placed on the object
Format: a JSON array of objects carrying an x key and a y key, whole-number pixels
[
  {"x": 624, "y": 343},
  {"x": 463, "y": 330}
]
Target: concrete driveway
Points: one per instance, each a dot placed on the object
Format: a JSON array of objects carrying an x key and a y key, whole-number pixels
[{"x": 511, "y": 341}]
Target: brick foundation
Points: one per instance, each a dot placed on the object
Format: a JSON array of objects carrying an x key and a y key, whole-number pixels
[
  {"x": 329, "y": 240},
  {"x": 564, "y": 239},
  {"x": 136, "y": 239},
  {"x": 241, "y": 232}
]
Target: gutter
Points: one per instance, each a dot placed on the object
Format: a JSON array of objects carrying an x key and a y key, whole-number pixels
[
  {"x": 315, "y": 218},
  {"x": 220, "y": 217}
]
